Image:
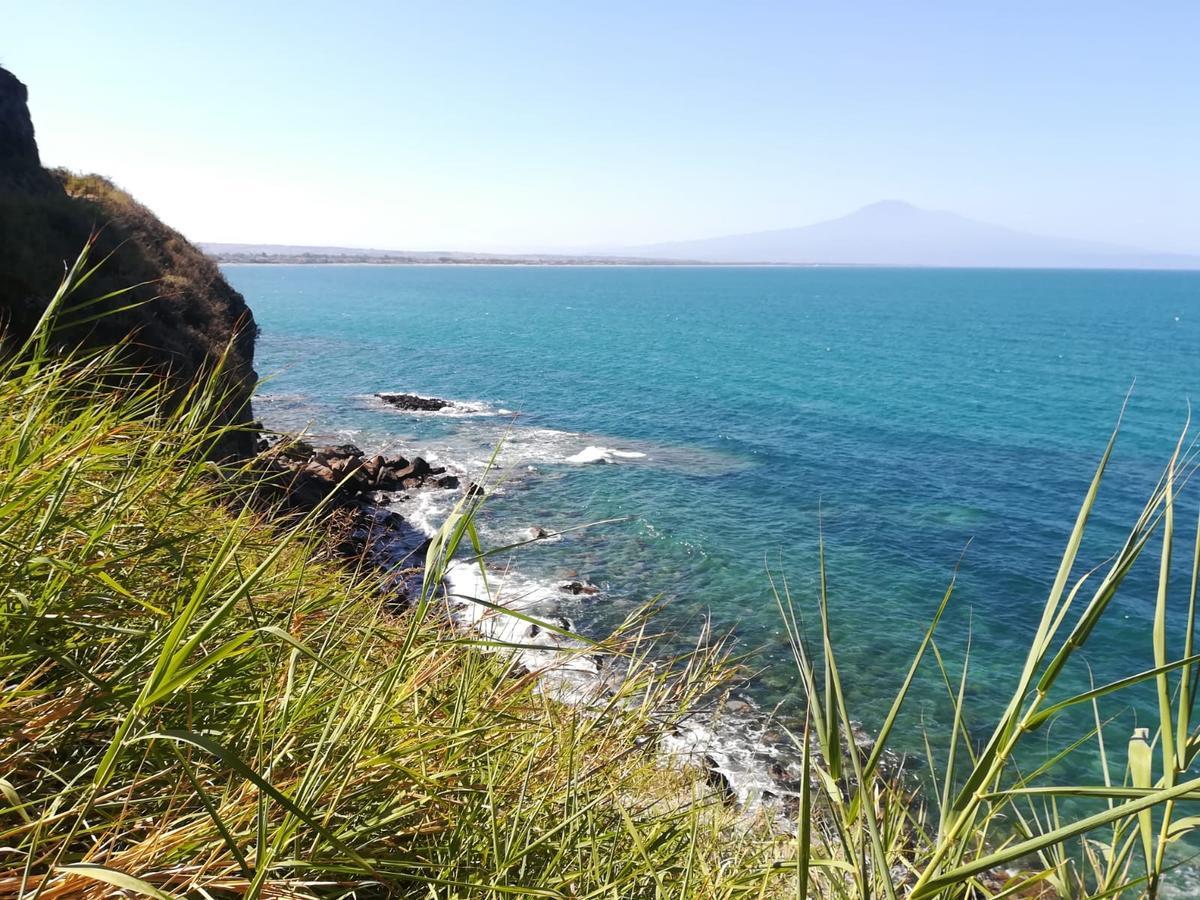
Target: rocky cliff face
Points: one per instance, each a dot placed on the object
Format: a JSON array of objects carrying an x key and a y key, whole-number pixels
[
  {"x": 191, "y": 317},
  {"x": 18, "y": 148}
]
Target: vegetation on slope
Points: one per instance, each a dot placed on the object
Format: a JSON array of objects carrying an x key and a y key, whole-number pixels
[{"x": 193, "y": 702}]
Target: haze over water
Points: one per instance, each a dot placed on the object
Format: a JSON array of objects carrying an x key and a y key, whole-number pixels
[{"x": 904, "y": 413}]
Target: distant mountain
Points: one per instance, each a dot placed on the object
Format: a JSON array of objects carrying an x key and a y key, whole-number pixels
[{"x": 894, "y": 233}]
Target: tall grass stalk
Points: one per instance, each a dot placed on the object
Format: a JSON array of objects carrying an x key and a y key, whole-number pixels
[{"x": 999, "y": 831}]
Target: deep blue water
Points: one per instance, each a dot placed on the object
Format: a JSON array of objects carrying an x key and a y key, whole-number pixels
[{"x": 903, "y": 413}]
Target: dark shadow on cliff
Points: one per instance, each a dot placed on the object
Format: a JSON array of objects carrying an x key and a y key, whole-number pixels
[{"x": 182, "y": 315}]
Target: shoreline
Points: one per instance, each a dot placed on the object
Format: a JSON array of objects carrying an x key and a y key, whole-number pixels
[{"x": 736, "y": 744}]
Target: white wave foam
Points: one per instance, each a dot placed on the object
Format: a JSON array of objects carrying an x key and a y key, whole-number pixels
[
  {"x": 732, "y": 746},
  {"x": 473, "y": 443},
  {"x": 267, "y": 397},
  {"x": 567, "y": 670},
  {"x": 427, "y": 509},
  {"x": 595, "y": 454}
]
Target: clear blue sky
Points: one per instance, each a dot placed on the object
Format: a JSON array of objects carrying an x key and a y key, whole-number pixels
[{"x": 557, "y": 124}]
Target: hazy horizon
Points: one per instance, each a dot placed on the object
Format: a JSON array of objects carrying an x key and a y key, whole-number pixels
[
  {"x": 885, "y": 233},
  {"x": 551, "y": 129}
]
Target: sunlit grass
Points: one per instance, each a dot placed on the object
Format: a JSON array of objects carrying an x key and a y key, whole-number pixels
[
  {"x": 193, "y": 702},
  {"x": 983, "y": 826}
]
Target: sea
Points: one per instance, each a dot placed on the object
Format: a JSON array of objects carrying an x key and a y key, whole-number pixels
[{"x": 692, "y": 436}]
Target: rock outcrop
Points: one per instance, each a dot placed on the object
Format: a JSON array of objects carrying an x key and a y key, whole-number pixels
[
  {"x": 187, "y": 319},
  {"x": 18, "y": 147},
  {"x": 302, "y": 477},
  {"x": 294, "y": 478},
  {"x": 579, "y": 587},
  {"x": 414, "y": 403}
]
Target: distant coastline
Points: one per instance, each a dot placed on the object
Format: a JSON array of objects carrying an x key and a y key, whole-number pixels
[
  {"x": 289, "y": 255},
  {"x": 509, "y": 263},
  {"x": 310, "y": 259}
]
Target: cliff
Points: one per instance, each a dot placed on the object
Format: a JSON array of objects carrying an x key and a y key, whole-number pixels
[{"x": 188, "y": 314}]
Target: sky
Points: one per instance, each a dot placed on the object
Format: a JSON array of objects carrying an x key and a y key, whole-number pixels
[{"x": 566, "y": 125}]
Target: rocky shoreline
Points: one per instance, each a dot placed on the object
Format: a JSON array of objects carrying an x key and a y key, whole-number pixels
[
  {"x": 747, "y": 759},
  {"x": 292, "y": 477}
]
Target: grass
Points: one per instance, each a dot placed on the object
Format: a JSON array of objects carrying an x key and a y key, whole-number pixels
[
  {"x": 195, "y": 701},
  {"x": 981, "y": 812}
]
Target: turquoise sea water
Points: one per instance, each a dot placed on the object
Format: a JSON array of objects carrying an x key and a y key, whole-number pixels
[{"x": 906, "y": 414}]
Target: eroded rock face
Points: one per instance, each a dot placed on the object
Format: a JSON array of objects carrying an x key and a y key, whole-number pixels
[
  {"x": 18, "y": 147},
  {"x": 413, "y": 403}
]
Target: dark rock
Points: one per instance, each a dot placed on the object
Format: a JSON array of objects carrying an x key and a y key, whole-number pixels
[
  {"x": 414, "y": 403},
  {"x": 474, "y": 490},
  {"x": 579, "y": 587},
  {"x": 289, "y": 448},
  {"x": 372, "y": 467},
  {"x": 448, "y": 482},
  {"x": 390, "y": 519},
  {"x": 341, "y": 451},
  {"x": 341, "y": 465},
  {"x": 18, "y": 147},
  {"x": 718, "y": 781},
  {"x": 418, "y": 469},
  {"x": 325, "y": 473}
]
